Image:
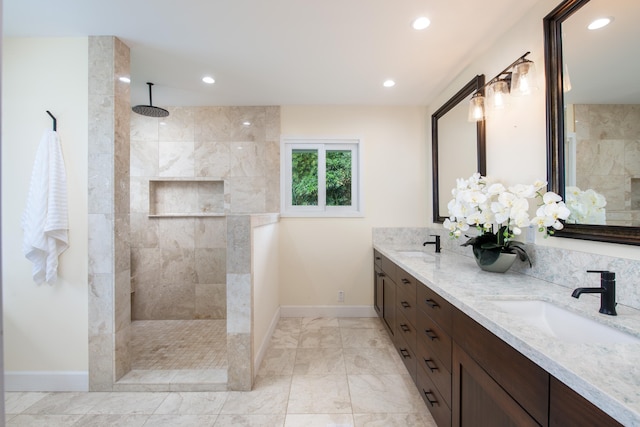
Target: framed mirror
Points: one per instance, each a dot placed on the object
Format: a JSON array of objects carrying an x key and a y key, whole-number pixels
[
  {"x": 457, "y": 146},
  {"x": 593, "y": 118}
]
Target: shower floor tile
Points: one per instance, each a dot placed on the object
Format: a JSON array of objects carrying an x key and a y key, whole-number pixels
[{"x": 179, "y": 344}]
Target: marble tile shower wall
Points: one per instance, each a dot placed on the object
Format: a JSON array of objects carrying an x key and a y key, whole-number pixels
[
  {"x": 108, "y": 207},
  {"x": 607, "y": 151},
  {"x": 560, "y": 266},
  {"x": 178, "y": 264}
]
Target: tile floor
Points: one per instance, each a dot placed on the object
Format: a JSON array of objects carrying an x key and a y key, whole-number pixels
[
  {"x": 178, "y": 344},
  {"x": 325, "y": 372}
]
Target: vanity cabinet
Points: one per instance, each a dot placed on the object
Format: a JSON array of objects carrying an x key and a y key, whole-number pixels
[
  {"x": 406, "y": 320},
  {"x": 568, "y": 408},
  {"x": 378, "y": 284},
  {"x": 479, "y": 400},
  {"x": 493, "y": 382},
  {"x": 466, "y": 375},
  {"x": 434, "y": 353},
  {"x": 385, "y": 291}
]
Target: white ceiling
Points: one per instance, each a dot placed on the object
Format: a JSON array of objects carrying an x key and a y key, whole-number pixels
[
  {"x": 603, "y": 65},
  {"x": 280, "y": 52}
]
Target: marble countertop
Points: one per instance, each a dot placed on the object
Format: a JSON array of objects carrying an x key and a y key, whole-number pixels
[{"x": 608, "y": 375}]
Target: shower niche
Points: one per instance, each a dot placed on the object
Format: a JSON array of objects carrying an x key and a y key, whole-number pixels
[{"x": 186, "y": 197}]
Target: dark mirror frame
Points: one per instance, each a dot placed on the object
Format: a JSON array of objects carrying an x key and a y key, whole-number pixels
[
  {"x": 552, "y": 24},
  {"x": 475, "y": 84}
]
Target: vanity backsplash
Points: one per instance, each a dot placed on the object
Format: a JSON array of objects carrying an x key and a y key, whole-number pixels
[{"x": 560, "y": 266}]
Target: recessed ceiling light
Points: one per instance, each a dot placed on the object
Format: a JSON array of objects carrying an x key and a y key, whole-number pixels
[
  {"x": 246, "y": 123},
  {"x": 599, "y": 23},
  {"x": 389, "y": 83},
  {"x": 420, "y": 23},
  {"x": 125, "y": 79},
  {"x": 208, "y": 80}
]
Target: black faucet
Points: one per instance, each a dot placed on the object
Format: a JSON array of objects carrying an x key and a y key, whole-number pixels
[
  {"x": 436, "y": 243},
  {"x": 607, "y": 291}
]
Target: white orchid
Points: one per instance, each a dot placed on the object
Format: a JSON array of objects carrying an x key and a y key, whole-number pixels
[
  {"x": 523, "y": 191},
  {"x": 586, "y": 207},
  {"x": 494, "y": 209}
]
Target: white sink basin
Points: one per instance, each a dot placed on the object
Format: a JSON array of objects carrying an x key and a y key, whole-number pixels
[
  {"x": 563, "y": 324},
  {"x": 414, "y": 254}
]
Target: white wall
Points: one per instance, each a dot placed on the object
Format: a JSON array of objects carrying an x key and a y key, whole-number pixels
[
  {"x": 266, "y": 303},
  {"x": 319, "y": 257},
  {"x": 516, "y": 141},
  {"x": 45, "y": 326}
]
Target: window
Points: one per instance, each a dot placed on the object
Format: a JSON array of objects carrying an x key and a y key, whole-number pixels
[{"x": 321, "y": 177}]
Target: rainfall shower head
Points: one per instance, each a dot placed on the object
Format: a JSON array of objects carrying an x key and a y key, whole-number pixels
[{"x": 150, "y": 110}]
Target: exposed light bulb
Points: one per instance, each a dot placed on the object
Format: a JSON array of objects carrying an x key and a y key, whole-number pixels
[
  {"x": 477, "y": 113},
  {"x": 476, "y": 108}
]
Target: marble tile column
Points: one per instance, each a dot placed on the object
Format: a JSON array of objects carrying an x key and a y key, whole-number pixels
[
  {"x": 239, "y": 303},
  {"x": 108, "y": 200}
]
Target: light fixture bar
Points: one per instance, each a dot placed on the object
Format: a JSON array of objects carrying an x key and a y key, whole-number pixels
[
  {"x": 519, "y": 73},
  {"x": 506, "y": 73}
]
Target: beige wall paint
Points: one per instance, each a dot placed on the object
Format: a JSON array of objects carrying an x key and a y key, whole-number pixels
[
  {"x": 320, "y": 256},
  {"x": 45, "y": 326}
]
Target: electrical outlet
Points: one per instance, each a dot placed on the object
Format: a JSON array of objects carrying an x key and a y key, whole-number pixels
[{"x": 340, "y": 296}]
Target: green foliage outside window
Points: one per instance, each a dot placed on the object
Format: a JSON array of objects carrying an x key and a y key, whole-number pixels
[
  {"x": 305, "y": 177},
  {"x": 304, "y": 183},
  {"x": 338, "y": 178}
]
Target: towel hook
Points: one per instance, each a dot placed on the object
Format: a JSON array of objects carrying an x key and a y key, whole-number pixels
[{"x": 55, "y": 121}]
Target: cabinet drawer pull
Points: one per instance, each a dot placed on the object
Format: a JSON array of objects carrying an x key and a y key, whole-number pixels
[
  {"x": 405, "y": 328},
  {"x": 378, "y": 258},
  {"x": 405, "y": 304},
  {"x": 431, "y": 365},
  {"x": 432, "y": 400},
  {"x": 431, "y": 303},
  {"x": 406, "y": 281},
  {"x": 405, "y": 353},
  {"x": 432, "y": 335}
]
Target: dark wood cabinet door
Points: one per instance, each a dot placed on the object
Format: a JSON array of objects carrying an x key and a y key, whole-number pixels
[
  {"x": 479, "y": 401},
  {"x": 378, "y": 291},
  {"x": 521, "y": 378},
  {"x": 389, "y": 304},
  {"x": 569, "y": 409}
]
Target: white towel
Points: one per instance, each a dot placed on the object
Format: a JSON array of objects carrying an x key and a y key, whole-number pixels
[{"x": 45, "y": 218}]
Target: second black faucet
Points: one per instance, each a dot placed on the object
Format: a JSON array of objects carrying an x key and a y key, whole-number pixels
[
  {"x": 436, "y": 243},
  {"x": 607, "y": 291}
]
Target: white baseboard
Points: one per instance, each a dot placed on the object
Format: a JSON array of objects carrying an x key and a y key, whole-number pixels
[
  {"x": 327, "y": 311},
  {"x": 46, "y": 381},
  {"x": 265, "y": 343}
]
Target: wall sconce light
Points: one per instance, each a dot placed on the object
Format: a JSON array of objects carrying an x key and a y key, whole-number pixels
[{"x": 517, "y": 79}]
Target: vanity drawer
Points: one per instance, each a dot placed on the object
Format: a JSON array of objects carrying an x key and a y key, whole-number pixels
[
  {"x": 406, "y": 330},
  {"x": 435, "y": 307},
  {"x": 436, "y": 370},
  {"x": 432, "y": 340},
  {"x": 377, "y": 258},
  {"x": 437, "y": 405},
  {"x": 407, "y": 282},
  {"x": 406, "y": 304},
  {"x": 388, "y": 267},
  {"x": 407, "y": 355}
]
